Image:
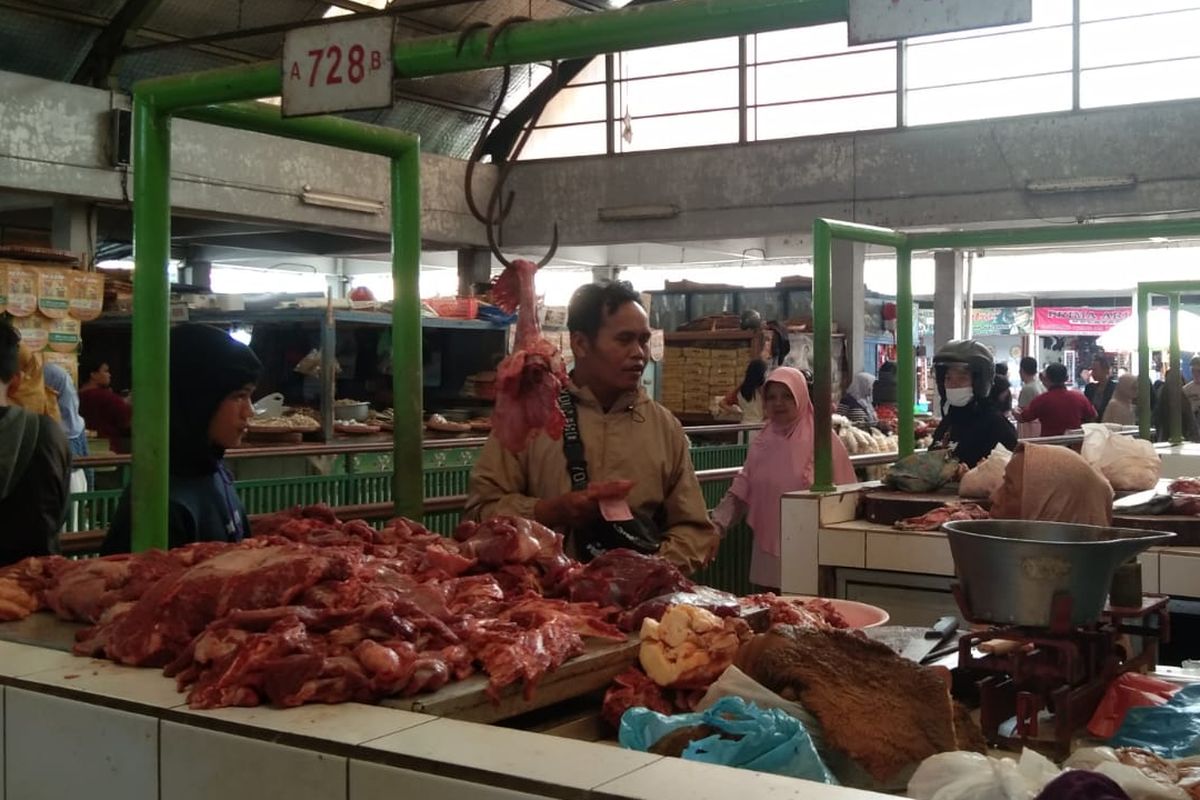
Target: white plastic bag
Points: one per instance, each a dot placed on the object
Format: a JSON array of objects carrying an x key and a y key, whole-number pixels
[
  {"x": 971, "y": 776},
  {"x": 986, "y": 476},
  {"x": 1129, "y": 464}
]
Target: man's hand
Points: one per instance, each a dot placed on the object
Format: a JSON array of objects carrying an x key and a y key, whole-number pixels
[{"x": 579, "y": 507}]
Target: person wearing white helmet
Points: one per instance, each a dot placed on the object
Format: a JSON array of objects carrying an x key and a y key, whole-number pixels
[{"x": 971, "y": 427}]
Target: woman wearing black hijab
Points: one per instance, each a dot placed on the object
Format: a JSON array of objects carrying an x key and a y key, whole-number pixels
[{"x": 212, "y": 377}]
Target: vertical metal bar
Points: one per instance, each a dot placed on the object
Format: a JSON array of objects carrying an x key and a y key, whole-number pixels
[
  {"x": 1076, "y": 28},
  {"x": 610, "y": 104},
  {"x": 905, "y": 367},
  {"x": 328, "y": 368},
  {"x": 743, "y": 89},
  {"x": 151, "y": 324},
  {"x": 902, "y": 83},
  {"x": 822, "y": 357},
  {"x": 1143, "y": 312},
  {"x": 1174, "y": 385},
  {"x": 407, "y": 483}
]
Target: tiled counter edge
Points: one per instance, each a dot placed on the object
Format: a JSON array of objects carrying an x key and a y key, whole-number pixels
[{"x": 75, "y": 726}]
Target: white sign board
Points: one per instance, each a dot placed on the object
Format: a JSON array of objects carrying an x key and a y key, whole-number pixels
[
  {"x": 342, "y": 66},
  {"x": 886, "y": 20}
]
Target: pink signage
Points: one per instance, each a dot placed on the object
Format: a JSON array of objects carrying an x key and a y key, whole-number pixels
[{"x": 1081, "y": 320}]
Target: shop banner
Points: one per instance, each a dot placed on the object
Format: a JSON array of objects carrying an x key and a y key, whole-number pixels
[
  {"x": 1079, "y": 320},
  {"x": 1015, "y": 321}
]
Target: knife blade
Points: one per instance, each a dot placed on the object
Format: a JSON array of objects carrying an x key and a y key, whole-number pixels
[{"x": 917, "y": 649}]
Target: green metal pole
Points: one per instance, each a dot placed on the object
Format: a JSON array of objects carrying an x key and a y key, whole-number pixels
[
  {"x": 1054, "y": 234},
  {"x": 1175, "y": 376},
  {"x": 1144, "y": 389},
  {"x": 870, "y": 234},
  {"x": 408, "y": 485},
  {"x": 151, "y": 324},
  {"x": 822, "y": 356},
  {"x": 905, "y": 367},
  {"x": 332, "y": 131},
  {"x": 577, "y": 36}
]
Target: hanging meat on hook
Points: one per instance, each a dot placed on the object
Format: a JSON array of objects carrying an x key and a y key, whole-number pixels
[{"x": 529, "y": 381}]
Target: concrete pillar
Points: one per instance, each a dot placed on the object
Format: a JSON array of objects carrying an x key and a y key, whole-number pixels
[
  {"x": 849, "y": 296},
  {"x": 73, "y": 228},
  {"x": 474, "y": 266},
  {"x": 196, "y": 269},
  {"x": 608, "y": 272},
  {"x": 947, "y": 297}
]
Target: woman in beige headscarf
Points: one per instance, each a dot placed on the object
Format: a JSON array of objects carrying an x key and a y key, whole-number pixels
[
  {"x": 1120, "y": 408},
  {"x": 1052, "y": 484},
  {"x": 31, "y": 392}
]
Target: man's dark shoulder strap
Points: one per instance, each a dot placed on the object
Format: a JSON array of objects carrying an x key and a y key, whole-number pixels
[{"x": 573, "y": 443}]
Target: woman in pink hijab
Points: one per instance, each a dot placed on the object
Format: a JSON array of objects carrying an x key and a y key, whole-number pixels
[{"x": 780, "y": 460}]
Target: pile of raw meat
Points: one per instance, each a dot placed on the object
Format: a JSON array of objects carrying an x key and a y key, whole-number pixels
[{"x": 313, "y": 609}]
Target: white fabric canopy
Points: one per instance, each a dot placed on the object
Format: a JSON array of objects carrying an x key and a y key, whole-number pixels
[{"x": 1123, "y": 336}]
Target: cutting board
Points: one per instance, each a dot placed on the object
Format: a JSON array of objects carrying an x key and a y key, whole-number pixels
[
  {"x": 885, "y": 507},
  {"x": 468, "y": 700}
]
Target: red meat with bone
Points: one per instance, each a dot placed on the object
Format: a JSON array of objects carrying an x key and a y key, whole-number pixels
[{"x": 529, "y": 381}]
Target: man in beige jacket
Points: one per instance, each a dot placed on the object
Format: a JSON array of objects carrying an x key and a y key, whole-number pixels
[{"x": 626, "y": 437}]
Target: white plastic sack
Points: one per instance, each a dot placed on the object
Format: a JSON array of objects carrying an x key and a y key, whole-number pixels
[
  {"x": 972, "y": 776},
  {"x": 1129, "y": 464},
  {"x": 986, "y": 476}
]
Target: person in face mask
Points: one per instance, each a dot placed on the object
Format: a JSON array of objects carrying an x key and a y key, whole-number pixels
[{"x": 971, "y": 427}]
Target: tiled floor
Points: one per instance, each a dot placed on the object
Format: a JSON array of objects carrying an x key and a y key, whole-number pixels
[
  {"x": 58, "y": 748},
  {"x": 674, "y": 777},
  {"x": 199, "y": 764},
  {"x": 562, "y": 762}
]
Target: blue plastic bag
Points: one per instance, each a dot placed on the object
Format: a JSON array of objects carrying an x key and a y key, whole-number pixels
[
  {"x": 1171, "y": 730},
  {"x": 771, "y": 741}
]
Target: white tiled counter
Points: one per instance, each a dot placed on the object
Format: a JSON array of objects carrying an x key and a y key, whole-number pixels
[
  {"x": 823, "y": 537},
  {"x": 1179, "y": 460},
  {"x": 82, "y": 728}
]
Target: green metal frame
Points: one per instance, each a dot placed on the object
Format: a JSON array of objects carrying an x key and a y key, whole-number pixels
[
  {"x": 826, "y": 230},
  {"x": 205, "y": 96},
  {"x": 1172, "y": 290}
]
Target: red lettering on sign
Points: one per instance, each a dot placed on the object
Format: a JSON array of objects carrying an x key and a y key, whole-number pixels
[
  {"x": 334, "y": 52},
  {"x": 295, "y": 73},
  {"x": 376, "y": 60},
  {"x": 316, "y": 56},
  {"x": 355, "y": 71}
]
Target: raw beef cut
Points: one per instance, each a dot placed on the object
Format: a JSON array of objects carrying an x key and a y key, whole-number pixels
[
  {"x": 720, "y": 603},
  {"x": 806, "y": 612},
  {"x": 950, "y": 512},
  {"x": 632, "y": 689},
  {"x": 506, "y": 541},
  {"x": 529, "y": 380},
  {"x": 625, "y": 579},
  {"x": 251, "y": 575}
]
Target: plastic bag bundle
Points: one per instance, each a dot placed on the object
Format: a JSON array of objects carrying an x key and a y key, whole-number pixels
[
  {"x": 1129, "y": 464},
  {"x": 766, "y": 740},
  {"x": 923, "y": 472},
  {"x": 986, "y": 476}
]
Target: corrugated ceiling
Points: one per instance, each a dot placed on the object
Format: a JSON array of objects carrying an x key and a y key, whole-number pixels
[{"x": 51, "y": 38}]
